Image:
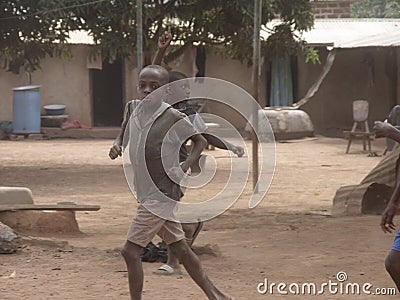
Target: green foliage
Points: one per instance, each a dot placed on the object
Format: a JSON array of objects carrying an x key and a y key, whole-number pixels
[
  {"x": 28, "y": 33},
  {"x": 32, "y": 29},
  {"x": 312, "y": 55},
  {"x": 376, "y": 9}
]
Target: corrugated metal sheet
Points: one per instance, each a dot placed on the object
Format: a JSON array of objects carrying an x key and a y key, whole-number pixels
[
  {"x": 352, "y": 33},
  {"x": 383, "y": 40},
  {"x": 340, "y": 33}
]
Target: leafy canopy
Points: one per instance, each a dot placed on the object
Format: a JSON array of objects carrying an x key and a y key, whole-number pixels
[
  {"x": 32, "y": 29},
  {"x": 376, "y": 9}
]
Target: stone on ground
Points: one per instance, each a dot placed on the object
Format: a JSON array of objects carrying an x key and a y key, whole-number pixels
[{"x": 9, "y": 240}]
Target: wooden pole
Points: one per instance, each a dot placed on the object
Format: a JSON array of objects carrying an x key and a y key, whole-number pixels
[
  {"x": 256, "y": 76},
  {"x": 139, "y": 35}
]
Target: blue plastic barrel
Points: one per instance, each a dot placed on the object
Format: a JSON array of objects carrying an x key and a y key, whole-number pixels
[{"x": 26, "y": 109}]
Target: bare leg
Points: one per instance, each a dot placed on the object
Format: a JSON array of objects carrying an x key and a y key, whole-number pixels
[
  {"x": 172, "y": 261},
  {"x": 131, "y": 254},
  {"x": 193, "y": 266},
  {"x": 189, "y": 229},
  {"x": 392, "y": 265}
]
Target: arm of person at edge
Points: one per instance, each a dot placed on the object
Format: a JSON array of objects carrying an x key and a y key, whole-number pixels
[
  {"x": 163, "y": 42},
  {"x": 384, "y": 129},
  {"x": 199, "y": 143},
  {"x": 387, "y": 224},
  {"x": 116, "y": 148}
]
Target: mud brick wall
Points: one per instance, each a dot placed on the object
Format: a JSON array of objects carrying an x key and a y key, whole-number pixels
[{"x": 332, "y": 9}]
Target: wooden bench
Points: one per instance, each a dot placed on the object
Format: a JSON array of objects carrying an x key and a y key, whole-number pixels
[
  {"x": 59, "y": 206},
  {"x": 18, "y": 210},
  {"x": 21, "y": 198}
]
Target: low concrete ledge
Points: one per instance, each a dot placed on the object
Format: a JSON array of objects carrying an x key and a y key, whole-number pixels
[{"x": 80, "y": 133}]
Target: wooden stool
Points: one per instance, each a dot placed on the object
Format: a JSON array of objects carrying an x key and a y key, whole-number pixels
[
  {"x": 360, "y": 116},
  {"x": 366, "y": 137}
]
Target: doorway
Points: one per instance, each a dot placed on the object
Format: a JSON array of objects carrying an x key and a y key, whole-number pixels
[
  {"x": 282, "y": 81},
  {"x": 108, "y": 94}
]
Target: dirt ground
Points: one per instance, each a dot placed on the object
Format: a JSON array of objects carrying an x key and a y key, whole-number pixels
[{"x": 288, "y": 238}]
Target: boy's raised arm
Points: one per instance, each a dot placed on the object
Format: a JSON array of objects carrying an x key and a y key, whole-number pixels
[{"x": 163, "y": 42}]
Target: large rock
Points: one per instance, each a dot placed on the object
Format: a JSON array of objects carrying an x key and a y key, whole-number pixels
[
  {"x": 289, "y": 124},
  {"x": 285, "y": 124},
  {"x": 9, "y": 241}
]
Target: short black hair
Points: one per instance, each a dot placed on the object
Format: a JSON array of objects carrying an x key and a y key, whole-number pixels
[
  {"x": 176, "y": 75},
  {"x": 160, "y": 69}
]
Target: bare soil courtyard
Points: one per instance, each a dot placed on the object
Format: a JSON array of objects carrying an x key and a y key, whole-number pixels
[{"x": 288, "y": 238}]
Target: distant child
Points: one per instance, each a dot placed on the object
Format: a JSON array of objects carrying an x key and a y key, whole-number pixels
[
  {"x": 393, "y": 119},
  {"x": 182, "y": 91}
]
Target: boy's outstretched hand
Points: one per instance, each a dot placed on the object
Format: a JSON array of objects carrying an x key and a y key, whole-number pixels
[
  {"x": 165, "y": 39},
  {"x": 239, "y": 151},
  {"x": 115, "y": 151}
]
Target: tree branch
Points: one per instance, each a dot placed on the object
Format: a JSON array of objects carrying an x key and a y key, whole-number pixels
[{"x": 178, "y": 52}]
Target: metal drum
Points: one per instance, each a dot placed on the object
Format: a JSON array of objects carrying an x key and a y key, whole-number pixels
[{"x": 26, "y": 109}]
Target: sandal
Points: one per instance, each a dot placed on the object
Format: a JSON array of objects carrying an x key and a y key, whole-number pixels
[{"x": 167, "y": 270}]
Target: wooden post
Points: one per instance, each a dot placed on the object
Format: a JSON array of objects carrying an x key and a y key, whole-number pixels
[
  {"x": 139, "y": 35},
  {"x": 256, "y": 76}
]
